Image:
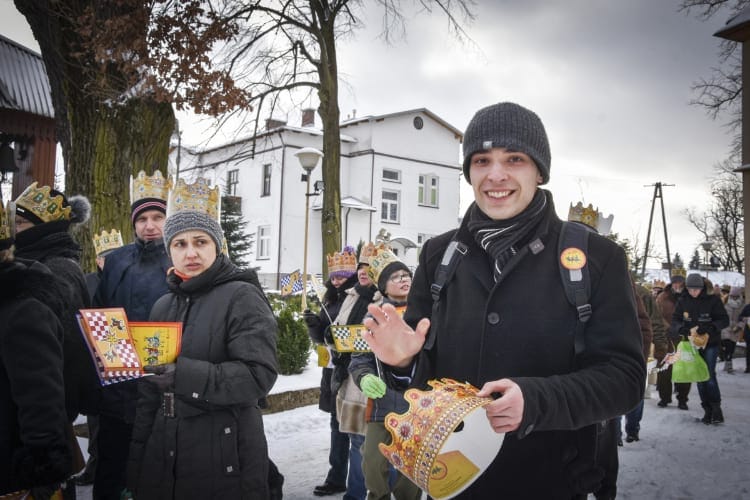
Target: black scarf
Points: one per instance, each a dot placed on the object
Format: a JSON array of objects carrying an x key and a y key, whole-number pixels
[
  {"x": 501, "y": 239},
  {"x": 359, "y": 309}
]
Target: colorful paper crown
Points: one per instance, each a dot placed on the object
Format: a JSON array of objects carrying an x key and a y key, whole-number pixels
[
  {"x": 382, "y": 255},
  {"x": 367, "y": 251},
  {"x": 198, "y": 196},
  {"x": 42, "y": 204},
  {"x": 107, "y": 241},
  {"x": 428, "y": 448},
  {"x": 344, "y": 261},
  {"x": 591, "y": 217},
  {"x": 7, "y": 230},
  {"x": 143, "y": 186}
]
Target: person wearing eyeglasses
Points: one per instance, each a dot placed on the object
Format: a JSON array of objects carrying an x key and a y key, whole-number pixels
[{"x": 394, "y": 282}]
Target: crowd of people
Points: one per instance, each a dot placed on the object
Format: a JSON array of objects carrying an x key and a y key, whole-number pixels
[{"x": 560, "y": 368}]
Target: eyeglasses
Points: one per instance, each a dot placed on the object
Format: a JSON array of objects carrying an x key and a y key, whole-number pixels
[{"x": 400, "y": 277}]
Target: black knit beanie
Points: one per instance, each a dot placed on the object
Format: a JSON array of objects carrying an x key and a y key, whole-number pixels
[
  {"x": 192, "y": 220},
  {"x": 144, "y": 204},
  {"x": 507, "y": 125},
  {"x": 388, "y": 271}
]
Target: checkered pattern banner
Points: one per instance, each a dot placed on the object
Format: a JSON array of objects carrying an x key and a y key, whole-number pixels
[
  {"x": 348, "y": 338},
  {"x": 291, "y": 283}
]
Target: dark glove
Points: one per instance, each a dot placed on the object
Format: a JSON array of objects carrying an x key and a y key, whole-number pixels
[
  {"x": 684, "y": 332},
  {"x": 311, "y": 319},
  {"x": 163, "y": 376},
  {"x": 708, "y": 328}
]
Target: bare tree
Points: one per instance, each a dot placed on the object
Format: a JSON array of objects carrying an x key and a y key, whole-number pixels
[{"x": 723, "y": 222}]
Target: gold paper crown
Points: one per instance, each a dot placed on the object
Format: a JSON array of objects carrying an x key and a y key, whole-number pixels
[
  {"x": 419, "y": 435},
  {"x": 42, "y": 204},
  {"x": 6, "y": 224},
  {"x": 679, "y": 271},
  {"x": 143, "y": 186},
  {"x": 367, "y": 251},
  {"x": 107, "y": 241},
  {"x": 382, "y": 256},
  {"x": 198, "y": 196},
  {"x": 342, "y": 261},
  {"x": 591, "y": 217},
  {"x": 659, "y": 284}
]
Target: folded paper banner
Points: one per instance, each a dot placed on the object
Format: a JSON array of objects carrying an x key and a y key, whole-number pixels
[
  {"x": 291, "y": 283},
  {"x": 156, "y": 343},
  {"x": 348, "y": 338},
  {"x": 431, "y": 447},
  {"x": 320, "y": 289}
]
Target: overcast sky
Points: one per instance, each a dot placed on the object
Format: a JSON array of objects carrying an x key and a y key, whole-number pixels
[{"x": 610, "y": 80}]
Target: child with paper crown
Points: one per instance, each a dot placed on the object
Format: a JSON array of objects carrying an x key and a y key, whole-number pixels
[{"x": 385, "y": 393}]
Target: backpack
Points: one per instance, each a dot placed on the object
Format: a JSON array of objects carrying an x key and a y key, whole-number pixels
[{"x": 572, "y": 247}]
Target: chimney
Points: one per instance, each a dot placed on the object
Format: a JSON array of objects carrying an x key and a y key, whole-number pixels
[
  {"x": 308, "y": 117},
  {"x": 272, "y": 123}
]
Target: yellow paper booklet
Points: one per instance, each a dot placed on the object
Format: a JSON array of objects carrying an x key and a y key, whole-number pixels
[
  {"x": 348, "y": 338},
  {"x": 120, "y": 349}
]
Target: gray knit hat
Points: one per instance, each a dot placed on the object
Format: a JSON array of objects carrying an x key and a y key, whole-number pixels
[
  {"x": 192, "y": 220},
  {"x": 694, "y": 280},
  {"x": 507, "y": 125}
]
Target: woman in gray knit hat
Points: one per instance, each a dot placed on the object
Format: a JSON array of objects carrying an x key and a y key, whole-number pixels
[{"x": 198, "y": 431}]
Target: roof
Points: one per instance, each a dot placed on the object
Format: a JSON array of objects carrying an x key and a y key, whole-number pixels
[
  {"x": 349, "y": 202},
  {"x": 23, "y": 80},
  {"x": 425, "y": 111}
]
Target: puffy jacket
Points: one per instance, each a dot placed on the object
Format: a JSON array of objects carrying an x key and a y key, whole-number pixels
[
  {"x": 702, "y": 311},
  {"x": 215, "y": 446}
]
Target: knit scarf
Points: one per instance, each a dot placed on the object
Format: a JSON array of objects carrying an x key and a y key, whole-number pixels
[{"x": 501, "y": 239}]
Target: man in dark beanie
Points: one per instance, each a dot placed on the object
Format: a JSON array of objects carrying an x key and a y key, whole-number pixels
[
  {"x": 134, "y": 278},
  {"x": 554, "y": 378}
]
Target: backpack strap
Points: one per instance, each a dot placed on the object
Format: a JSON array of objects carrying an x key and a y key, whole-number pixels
[
  {"x": 573, "y": 250},
  {"x": 443, "y": 274}
]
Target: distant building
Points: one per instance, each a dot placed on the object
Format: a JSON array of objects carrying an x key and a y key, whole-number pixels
[{"x": 400, "y": 175}]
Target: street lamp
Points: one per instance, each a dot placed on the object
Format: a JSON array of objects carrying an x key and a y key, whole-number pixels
[
  {"x": 707, "y": 246},
  {"x": 308, "y": 159}
]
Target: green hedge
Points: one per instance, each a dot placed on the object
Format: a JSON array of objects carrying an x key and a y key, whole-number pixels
[{"x": 293, "y": 343}]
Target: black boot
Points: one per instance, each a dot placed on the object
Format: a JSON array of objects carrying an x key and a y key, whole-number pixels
[
  {"x": 717, "y": 417},
  {"x": 707, "y": 416}
]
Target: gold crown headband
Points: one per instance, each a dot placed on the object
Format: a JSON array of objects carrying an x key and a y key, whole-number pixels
[
  {"x": 41, "y": 205},
  {"x": 591, "y": 217},
  {"x": 381, "y": 257},
  {"x": 198, "y": 196},
  {"x": 344, "y": 261},
  {"x": 106, "y": 241},
  {"x": 143, "y": 186}
]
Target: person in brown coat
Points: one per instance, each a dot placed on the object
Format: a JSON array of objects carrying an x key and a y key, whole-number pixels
[{"x": 666, "y": 302}]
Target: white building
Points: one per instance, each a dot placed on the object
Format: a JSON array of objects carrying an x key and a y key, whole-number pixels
[{"x": 400, "y": 174}]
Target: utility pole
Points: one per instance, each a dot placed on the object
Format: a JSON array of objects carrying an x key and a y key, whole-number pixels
[{"x": 657, "y": 194}]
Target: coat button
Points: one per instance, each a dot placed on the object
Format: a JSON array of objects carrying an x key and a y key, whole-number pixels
[{"x": 493, "y": 318}]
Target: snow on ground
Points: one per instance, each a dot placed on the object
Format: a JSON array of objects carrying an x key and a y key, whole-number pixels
[{"x": 677, "y": 457}]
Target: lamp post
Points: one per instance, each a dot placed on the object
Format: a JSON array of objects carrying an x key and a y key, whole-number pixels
[
  {"x": 707, "y": 246},
  {"x": 308, "y": 159}
]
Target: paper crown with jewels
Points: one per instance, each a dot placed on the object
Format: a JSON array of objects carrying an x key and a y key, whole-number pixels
[
  {"x": 443, "y": 442},
  {"x": 7, "y": 230},
  {"x": 42, "y": 204},
  {"x": 342, "y": 264},
  {"x": 591, "y": 217},
  {"x": 107, "y": 241},
  {"x": 659, "y": 284},
  {"x": 380, "y": 256},
  {"x": 198, "y": 196},
  {"x": 144, "y": 186},
  {"x": 678, "y": 271}
]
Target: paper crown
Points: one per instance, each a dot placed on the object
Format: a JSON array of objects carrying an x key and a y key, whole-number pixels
[
  {"x": 107, "y": 241},
  {"x": 367, "y": 251},
  {"x": 382, "y": 255},
  {"x": 7, "y": 230},
  {"x": 678, "y": 271},
  {"x": 591, "y": 217},
  {"x": 143, "y": 186},
  {"x": 659, "y": 284},
  {"x": 344, "y": 261},
  {"x": 198, "y": 196},
  {"x": 429, "y": 445},
  {"x": 42, "y": 204}
]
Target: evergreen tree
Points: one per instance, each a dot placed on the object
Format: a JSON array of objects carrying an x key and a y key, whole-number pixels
[{"x": 239, "y": 243}]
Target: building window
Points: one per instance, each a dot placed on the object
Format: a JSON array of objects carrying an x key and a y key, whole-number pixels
[
  {"x": 421, "y": 238},
  {"x": 233, "y": 179},
  {"x": 428, "y": 191},
  {"x": 266, "y": 180},
  {"x": 389, "y": 210},
  {"x": 390, "y": 175},
  {"x": 264, "y": 242}
]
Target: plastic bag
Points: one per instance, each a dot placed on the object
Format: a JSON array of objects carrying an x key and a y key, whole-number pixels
[{"x": 689, "y": 365}]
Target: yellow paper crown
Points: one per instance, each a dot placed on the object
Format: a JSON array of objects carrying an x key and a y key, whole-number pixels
[
  {"x": 198, "y": 196},
  {"x": 591, "y": 217},
  {"x": 107, "y": 241},
  {"x": 42, "y": 204},
  {"x": 382, "y": 255},
  {"x": 367, "y": 251},
  {"x": 6, "y": 225},
  {"x": 143, "y": 186},
  {"x": 419, "y": 434},
  {"x": 659, "y": 284},
  {"x": 679, "y": 271},
  {"x": 344, "y": 261}
]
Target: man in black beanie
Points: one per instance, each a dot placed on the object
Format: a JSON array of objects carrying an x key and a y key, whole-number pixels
[{"x": 493, "y": 328}]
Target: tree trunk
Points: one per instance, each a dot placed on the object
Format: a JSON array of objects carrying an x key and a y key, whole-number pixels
[
  {"x": 328, "y": 94},
  {"x": 103, "y": 143}
]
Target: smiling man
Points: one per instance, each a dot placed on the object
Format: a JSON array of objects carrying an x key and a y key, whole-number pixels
[{"x": 504, "y": 322}]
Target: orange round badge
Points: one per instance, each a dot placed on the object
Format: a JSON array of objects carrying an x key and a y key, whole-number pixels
[{"x": 573, "y": 258}]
